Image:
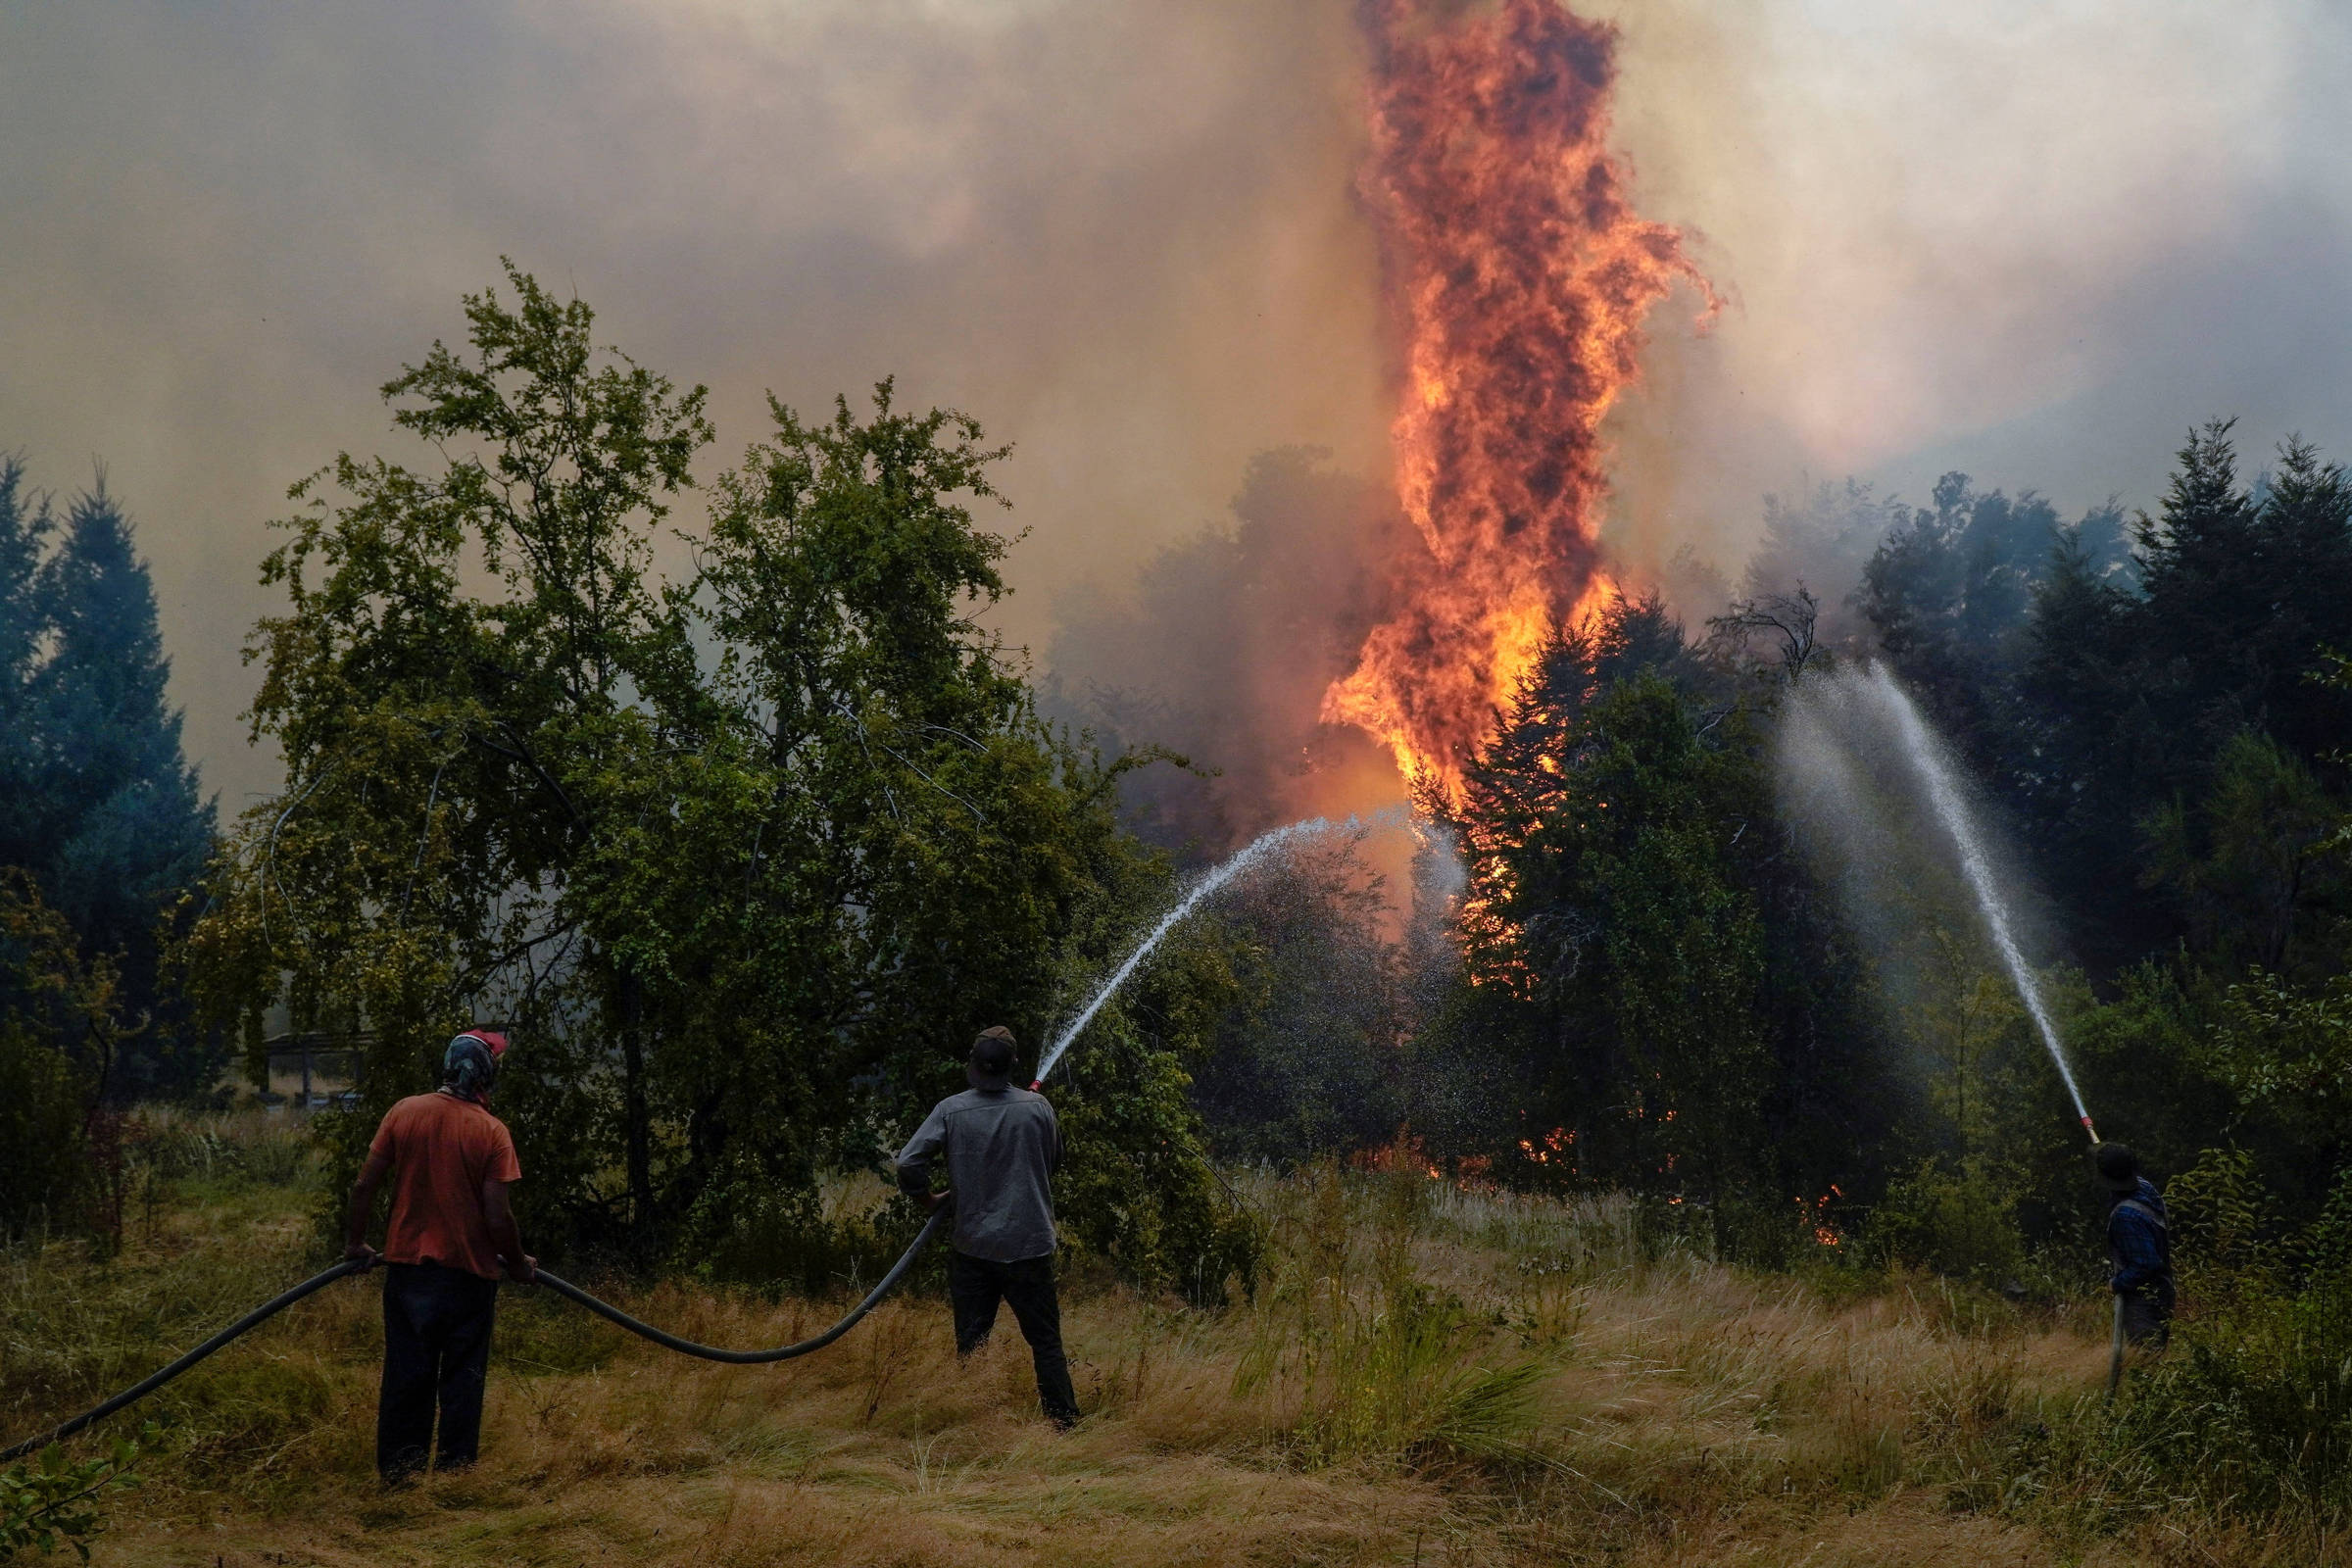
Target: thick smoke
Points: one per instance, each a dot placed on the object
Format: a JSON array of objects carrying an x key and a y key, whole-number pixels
[
  {"x": 1123, "y": 236},
  {"x": 2033, "y": 241},
  {"x": 1224, "y": 647}
]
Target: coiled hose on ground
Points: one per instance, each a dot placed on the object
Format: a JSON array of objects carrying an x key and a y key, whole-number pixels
[{"x": 561, "y": 1286}]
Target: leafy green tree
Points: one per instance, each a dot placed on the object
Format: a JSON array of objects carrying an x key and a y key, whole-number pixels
[
  {"x": 2242, "y": 592},
  {"x": 24, "y": 525},
  {"x": 469, "y": 687},
  {"x": 57, "y": 1502},
  {"x": 743, "y": 858},
  {"x": 907, "y": 851},
  {"x": 1306, "y": 1063},
  {"x": 2249, "y": 869},
  {"x": 131, "y": 829},
  {"x": 2087, "y": 722},
  {"x": 2134, "y": 698}
]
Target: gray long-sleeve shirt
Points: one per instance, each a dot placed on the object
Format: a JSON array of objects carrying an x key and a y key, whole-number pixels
[{"x": 1001, "y": 1147}]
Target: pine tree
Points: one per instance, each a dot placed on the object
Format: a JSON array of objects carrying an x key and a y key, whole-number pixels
[
  {"x": 101, "y": 811},
  {"x": 127, "y": 828}
]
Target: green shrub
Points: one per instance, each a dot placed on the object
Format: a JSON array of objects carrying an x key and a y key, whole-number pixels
[
  {"x": 1961, "y": 1222},
  {"x": 44, "y": 1158},
  {"x": 2252, "y": 1409},
  {"x": 55, "y": 1501}
]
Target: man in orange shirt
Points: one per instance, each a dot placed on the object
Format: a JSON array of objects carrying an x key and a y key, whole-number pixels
[{"x": 449, "y": 1235}]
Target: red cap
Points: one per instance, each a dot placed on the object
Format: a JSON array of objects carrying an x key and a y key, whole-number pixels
[{"x": 495, "y": 1042}]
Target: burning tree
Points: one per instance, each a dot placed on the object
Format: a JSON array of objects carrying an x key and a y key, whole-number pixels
[
  {"x": 1606, "y": 918},
  {"x": 1519, "y": 275}
]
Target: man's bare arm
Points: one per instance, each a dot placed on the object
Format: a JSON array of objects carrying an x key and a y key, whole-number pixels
[
  {"x": 363, "y": 1206},
  {"x": 505, "y": 1235}
]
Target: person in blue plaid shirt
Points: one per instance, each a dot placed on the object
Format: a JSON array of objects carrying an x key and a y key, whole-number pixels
[{"x": 2139, "y": 1243}]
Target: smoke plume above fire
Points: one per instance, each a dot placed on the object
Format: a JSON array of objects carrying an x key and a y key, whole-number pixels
[
  {"x": 1144, "y": 242},
  {"x": 1519, "y": 275}
]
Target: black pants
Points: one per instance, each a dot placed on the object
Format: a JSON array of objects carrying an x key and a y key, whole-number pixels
[
  {"x": 2148, "y": 1316},
  {"x": 975, "y": 1285},
  {"x": 436, "y": 1354}
]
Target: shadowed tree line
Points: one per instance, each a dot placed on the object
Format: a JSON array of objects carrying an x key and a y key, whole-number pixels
[
  {"x": 1647, "y": 983},
  {"x": 1660, "y": 990}
]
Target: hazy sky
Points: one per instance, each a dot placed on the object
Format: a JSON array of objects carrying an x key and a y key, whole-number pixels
[{"x": 2030, "y": 239}]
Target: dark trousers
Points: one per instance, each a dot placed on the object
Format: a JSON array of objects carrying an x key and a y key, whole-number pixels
[
  {"x": 436, "y": 1354},
  {"x": 975, "y": 1285},
  {"x": 2148, "y": 1316}
]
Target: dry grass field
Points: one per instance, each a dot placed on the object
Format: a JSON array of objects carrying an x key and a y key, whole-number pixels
[{"x": 1426, "y": 1376}]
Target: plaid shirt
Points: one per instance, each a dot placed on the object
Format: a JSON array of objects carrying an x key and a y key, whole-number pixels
[{"x": 2139, "y": 1239}]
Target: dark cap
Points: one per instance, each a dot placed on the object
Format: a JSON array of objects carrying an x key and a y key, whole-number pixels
[
  {"x": 469, "y": 1064},
  {"x": 993, "y": 1054},
  {"x": 2119, "y": 1167}
]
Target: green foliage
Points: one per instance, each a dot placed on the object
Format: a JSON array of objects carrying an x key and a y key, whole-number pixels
[
  {"x": 1956, "y": 1219},
  {"x": 458, "y": 687},
  {"x": 2251, "y": 1411},
  {"x": 2245, "y": 867},
  {"x": 2222, "y": 1219},
  {"x": 1607, "y": 913},
  {"x": 58, "y": 1501},
  {"x": 1305, "y": 1063},
  {"x": 2289, "y": 1051},
  {"x": 1948, "y": 588},
  {"x": 1975, "y": 1033},
  {"x": 743, "y": 860},
  {"x": 2329, "y": 1243},
  {"x": 44, "y": 1164},
  {"x": 62, "y": 1034}
]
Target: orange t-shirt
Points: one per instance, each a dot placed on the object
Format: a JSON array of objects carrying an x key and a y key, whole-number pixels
[{"x": 442, "y": 1150}]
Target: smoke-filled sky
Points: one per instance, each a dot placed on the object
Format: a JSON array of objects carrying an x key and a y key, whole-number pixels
[{"x": 2030, "y": 238}]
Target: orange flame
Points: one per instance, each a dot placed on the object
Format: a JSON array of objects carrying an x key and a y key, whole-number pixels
[{"x": 1520, "y": 276}]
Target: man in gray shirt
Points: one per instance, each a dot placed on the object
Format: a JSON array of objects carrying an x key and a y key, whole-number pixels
[{"x": 1001, "y": 1146}]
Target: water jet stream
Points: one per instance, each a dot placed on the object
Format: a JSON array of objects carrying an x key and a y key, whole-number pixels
[
  {"x": 1944, "y": 796},
  {"x": 1249, "y": 855}
]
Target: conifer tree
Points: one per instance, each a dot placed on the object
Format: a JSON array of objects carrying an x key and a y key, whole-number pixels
[
  {"x": 127, "y": 826},
  {"x": 102, "y": 811}
]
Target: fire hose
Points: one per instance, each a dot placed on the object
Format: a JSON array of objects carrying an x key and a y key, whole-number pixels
[{"x": 561, "y": 1286}]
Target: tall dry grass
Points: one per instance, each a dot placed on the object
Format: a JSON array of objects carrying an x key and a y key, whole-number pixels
[{"x": 1424, "y": 1375}]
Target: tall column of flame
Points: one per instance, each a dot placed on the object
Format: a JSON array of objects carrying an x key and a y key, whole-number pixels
[{"x": 1520, "y": 276}]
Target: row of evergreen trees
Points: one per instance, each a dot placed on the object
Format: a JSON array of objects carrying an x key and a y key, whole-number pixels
[{"x": 1659, "y": 989}]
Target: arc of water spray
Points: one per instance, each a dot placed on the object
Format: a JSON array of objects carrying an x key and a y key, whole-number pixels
[
  {"x": 1249, "y": 855},
  {"x": 1945, "y": 794}
]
